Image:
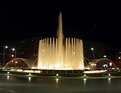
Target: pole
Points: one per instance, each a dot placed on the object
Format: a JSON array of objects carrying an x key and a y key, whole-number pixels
[
  {"x": 93, "y": 54},
  {"x": 3, "y": 56},
  {"x": 15, "y": 53}
]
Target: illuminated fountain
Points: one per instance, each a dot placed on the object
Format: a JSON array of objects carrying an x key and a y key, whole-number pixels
[{"x": 60, "y": 53}]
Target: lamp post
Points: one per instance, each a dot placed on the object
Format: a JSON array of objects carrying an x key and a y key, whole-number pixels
[
  {"x": 14, "y": 50},
  {"x": 93, "y": 55},
  {"x": 4, "y": 54}
]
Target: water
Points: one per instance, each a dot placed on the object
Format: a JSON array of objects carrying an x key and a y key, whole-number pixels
[
  {"x": 58, "y": 85},
  {"x": 60, "y": 53}
]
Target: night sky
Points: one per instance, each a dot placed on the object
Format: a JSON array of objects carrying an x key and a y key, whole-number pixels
[{"x": 96, "y": 21}]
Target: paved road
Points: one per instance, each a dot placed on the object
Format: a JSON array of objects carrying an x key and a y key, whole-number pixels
[{"x": 55, "y": 85}]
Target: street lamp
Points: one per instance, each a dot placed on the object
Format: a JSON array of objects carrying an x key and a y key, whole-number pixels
[
  {"x": 6, "y": 47},
  {"x": 4, "y": 53},
  {"x": 119, "y": 57},
  {"x": 14, "y": 50},
  {"x": 12, "y": 56},
  {"x": 104, "y": 56},
  {"x": 93, "y": 56}
]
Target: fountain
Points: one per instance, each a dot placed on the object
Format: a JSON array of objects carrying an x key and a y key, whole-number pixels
[
  {"x": 59, "y": 56},
  {"x": 54, "y": 55},
  {"x": 60, "y": 53}
]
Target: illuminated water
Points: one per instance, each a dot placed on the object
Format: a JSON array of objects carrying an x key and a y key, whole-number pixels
[
  {"x": 60, "y": 53},
  {"x": 56, "y": 85}
]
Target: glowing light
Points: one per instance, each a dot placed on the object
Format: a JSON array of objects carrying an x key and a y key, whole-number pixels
[
  {"x": 12, "y": 55},
  {"x": 93, "y": 64},
  {"x": 84, "y": 74},
  {"x": 29, "y": 71},
  {"x": 19, "y": 70},
  {"x": 29, "y": 79},
  {"x": 92, "y": 48},
  {"x": 13, "y": 49},
  {"x": 85, "y": 81},
  {"x": 109, "y": 79},
  {"x": 119, "y": 57},
  {"x": 104, "y": 56},
  {"x": 6, "y": 47},
  {"x": 57, "y": 79},
  {"x": 36, "y": 71},
  {"x": 8, "y": 77},
  {"x": 29, "y": 74},
  {"x": 96, "y": 71},
  {"x": 8, "y": 72},
  {"x": 110, "y": 64},
  {"x": 57, "y": 74},
  {"x": 105, "y": 65},
  {"x": 87, "y": 68},
  {"x": 109, "y": 74},
  {"x": 34, "y": 67}
]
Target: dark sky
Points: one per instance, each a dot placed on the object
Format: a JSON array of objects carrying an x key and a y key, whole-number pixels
[{"x": 97, "y": 21}]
